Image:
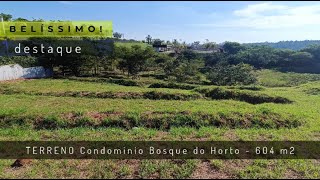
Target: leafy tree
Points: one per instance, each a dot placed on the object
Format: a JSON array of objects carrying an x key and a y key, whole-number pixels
[
  {"x": 187, "y": 55},
  {"x": 292, "y": 45},
  {"x": 214, "y": 58},
  {"x": 149, "y": 39},
  {"x": 301, "y": 59},
  {"x": 134, "y": 59},
  {"x": 157, "y": 42},
  {"x": 92, "y": 54},
  {"x": 161, "y": 59},
  {"x": 225, "y": 74},
  {"x": 314, "y": 50},
  {"x": 210, "y": 45},
  {"x": 232, "y": 47},
  {"x": 6, "y": 17},
  {"x": 117, "y": 35},
  {"x": 196, "y": 44},
  {"x": 24, "y": 61},
  {"x": 21, "y": 20},
  {"x": 259, "y": 57},
  {"x": 182, "y": 72}
]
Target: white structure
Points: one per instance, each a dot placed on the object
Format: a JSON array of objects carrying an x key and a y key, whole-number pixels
[
  {"x": 10, "y": 72},
  {"x": 15, "y": 71}
]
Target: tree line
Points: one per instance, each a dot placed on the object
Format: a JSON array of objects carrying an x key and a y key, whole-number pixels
[
  {"x": 293, "y": 45},
  {"x": 235, "y": 64}
]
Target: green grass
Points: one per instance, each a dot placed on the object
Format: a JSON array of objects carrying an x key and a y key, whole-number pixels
[
  {"x": 187, "y": 124},
  {"x": 57, "y": 85},
  {"x": 271, "y": 78}
]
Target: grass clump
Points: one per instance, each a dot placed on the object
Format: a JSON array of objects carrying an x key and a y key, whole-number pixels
[
  {"x": 271, "y": 78},
  {"x": 251, "y": 88},
  {"x": 313, "y": 91},
  {"x": 168, "y": 96},
  {"x": 249, "y": 97},
  {"x": 172, "y": 86},
  {"x": 158, "y": 120},
  {"x": 154, "y": 95},
  {"x": 123, "y": 82},
  {"x": 50, "y": 122}
]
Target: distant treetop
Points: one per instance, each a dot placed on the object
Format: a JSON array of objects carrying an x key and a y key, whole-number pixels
[{"x": 293, "y": 45}]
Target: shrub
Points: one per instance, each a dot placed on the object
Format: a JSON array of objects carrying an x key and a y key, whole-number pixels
[
  {"x": 24, "y": 61},
  {"x": 84, "y": 122},
  {"x": 124, "y": 82},
  {"x": 50, "y": 122},
  {"x": 172, "y": 85},
  {"x": 224, "y": 74},
  {"x": 250, "y": 97},
  {"x": 159, "y": 120},
  {"x": 111, "y": 122},
  {"x": 251, "y": 88},
  {"x": 176, "y": 96}
]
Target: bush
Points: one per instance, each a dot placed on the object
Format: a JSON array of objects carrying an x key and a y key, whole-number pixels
[
  {"x": 50, "y": 122},
  {"x": 157, "y": 120},
  {"x": 172, "y": 85},
  {"x": 24, "y": 61},
  {"x": 160, "y": 95},
  {"x": 124, "y": 82},
  {"x": 225, "y": 74},
  {"x": 251, "y": 88},
  {"x": 249, "y": 97}
]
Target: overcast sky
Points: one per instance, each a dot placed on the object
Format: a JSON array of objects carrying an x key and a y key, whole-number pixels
[{"x": 187, "y": 21}]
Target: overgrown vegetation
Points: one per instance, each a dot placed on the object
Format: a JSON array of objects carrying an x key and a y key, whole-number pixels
[
  {"x": 247, "y": 96},
  {"x": 154, "y": 120},
  {"x": 172, "y": 85},
  {"x": 224, "y": 74}
]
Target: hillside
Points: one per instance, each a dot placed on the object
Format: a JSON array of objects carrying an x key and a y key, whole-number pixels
[{"x": 293, "y": 45}]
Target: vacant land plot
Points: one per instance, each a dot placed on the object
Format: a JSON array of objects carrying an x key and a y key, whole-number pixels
[{"x": 82, "y": 109}]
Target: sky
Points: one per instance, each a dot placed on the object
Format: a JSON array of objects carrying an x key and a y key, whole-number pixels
[{"x": 244, "y": 22}]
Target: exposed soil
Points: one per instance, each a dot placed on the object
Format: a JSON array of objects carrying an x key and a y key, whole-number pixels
[{"x": 205, "y": 171}]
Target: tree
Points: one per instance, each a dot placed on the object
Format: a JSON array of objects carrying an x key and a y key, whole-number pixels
[
  {"x": 232, "y": 47},
  {"x": 181, "y": 71},
  {"x": 187, "y": 55},
  {"x": 195, "y": 44},
  {"x": 314, "y": 50},
  {"x": 149, "y": 39},
  {"x": 214, "y": 58},
  {"x": 226, "y": 75},
  {"x": 117, "y": 35},
  {"x": 91, "y": 58},
  {"x": 175, "y": 42},
  {"x": 6, "y": 17},
  {"x": 161, "y": 59},
  {"x": 134, "y": 59},
  {"x": 21, "y": 20},
  {"x": 210, "y": 45},
  {"x": 259, "y": 56},
  {"x": 301, "y": 59},
  {"x": 157, "y": 42}
]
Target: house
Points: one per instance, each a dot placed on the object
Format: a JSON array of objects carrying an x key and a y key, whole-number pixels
[
  {"x": 162, "y": 48},
  {"x": 15, "y": 71}
]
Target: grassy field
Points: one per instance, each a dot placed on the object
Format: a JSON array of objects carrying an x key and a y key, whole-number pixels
[{"x": 281, "y": 107}]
